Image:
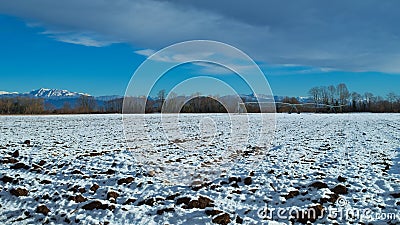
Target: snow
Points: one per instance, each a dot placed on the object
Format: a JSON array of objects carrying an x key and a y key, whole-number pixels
[
  {"x": 47, "y": 93},
  {"x": 7, "y": 93},
  {"x": 81, "y": 150},
  {"x": 44, "y": 92}
]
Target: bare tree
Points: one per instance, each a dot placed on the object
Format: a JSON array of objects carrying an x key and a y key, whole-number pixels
[
  {"x": 86, "y": 104},
  {"x": 161, "y": 99},
  {"x": 139, "y": 104},
  {"x": 368, "y": 100},
  {"x": 324, "y": 94},
  {"x": 343, "y": 93},
  {"x": 114, "y": 105},
  {"x": 66, "y": 108},
  {"x": 315, "y": 93},
  {"x": 50, "y": 108},
  {"x": 355, "y": 101},
  {"x": 392, "y": 98},
  {"x": 173, "y": 103},
  {"x": 332, "y": 93}
]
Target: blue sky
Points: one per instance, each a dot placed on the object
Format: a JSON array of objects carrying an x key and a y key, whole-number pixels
[
  {"x": 67, "y": 49},
  {"x": 31, "y": 60}
]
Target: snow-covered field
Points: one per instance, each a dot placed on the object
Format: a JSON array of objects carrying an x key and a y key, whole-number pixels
[{"x": 79, "y": 169}]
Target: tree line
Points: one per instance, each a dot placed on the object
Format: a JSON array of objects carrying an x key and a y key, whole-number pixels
[
  {"x": 21, "y": 105},
  {"x": 347, "y": 101},
  {"x": 173, "y": 103},
  {"x": 30, "y": 105},
  {"x": 324, "y": 99}
]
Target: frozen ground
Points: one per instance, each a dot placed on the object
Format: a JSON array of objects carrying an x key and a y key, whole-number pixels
[{"x": 79, "y": 170}]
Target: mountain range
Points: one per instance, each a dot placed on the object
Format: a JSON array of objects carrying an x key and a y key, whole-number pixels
[
  {"x": 55, "y": 93},
  {"x": 44, "y": 93},
  {"x": 58, "y": 98}
]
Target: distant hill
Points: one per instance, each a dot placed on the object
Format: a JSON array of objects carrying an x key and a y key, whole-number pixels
[
  {"x": 56, "y": 98},
  {"x": 44, "y": 93},
  {"x": 54, "y": 93}
]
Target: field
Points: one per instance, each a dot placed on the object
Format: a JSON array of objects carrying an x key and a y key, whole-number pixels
[{"x": 200, "y": 169}]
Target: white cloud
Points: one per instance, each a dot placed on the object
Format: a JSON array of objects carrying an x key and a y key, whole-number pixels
[
  {"x": 215, "y": 69},
  {"x": 78, "y": 38},
  {"x": 145, "y": 52},
  {"x": 171, "y": 56}
]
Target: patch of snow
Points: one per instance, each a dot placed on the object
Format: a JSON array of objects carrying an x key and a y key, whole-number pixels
[
  {"x": 67, "y": 155},
  {"x": 7, "y": 93}
]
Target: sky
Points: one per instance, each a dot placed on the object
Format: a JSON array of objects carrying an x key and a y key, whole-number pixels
[{"x": 96, "y": 46}]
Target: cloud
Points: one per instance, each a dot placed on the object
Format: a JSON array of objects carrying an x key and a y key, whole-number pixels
[
  {"x": 81, "y": 40},
  {"x": 179, "y": 55},
  {"x": 145, "y": 52},
  {"x": 215, "y": 69},
  {"x": 354, "y": 36},
  {"x": 78, "y": 38}
]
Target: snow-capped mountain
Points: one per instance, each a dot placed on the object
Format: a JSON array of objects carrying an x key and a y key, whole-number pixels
[
  {"x": 56, "y": 97},
  {"x": 54, "y": 93},
  {"x": 45, "y": 93},
  {"x": 256, "y": 98},
  {"x": 108, "y": 97},
  {"x": 301, "y": 99}
]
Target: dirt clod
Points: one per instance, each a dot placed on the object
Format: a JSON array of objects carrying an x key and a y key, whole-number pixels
[
  {"x": 19, "y": 166},
  {"x": 112, "y": 194},
  {"x": 43, "y": 210},
  {"x": 213, "y": 212},
  {"x": 98, "y": 205},
  {"x": 94, "y": 187},
  {"x": 319, "y": 185},
  {"x": 339, "y": 189},
  {"x": 15, "y": 154},
  {"x": 77, "y": 199},
  {"x": 201, "y": 203},
  {"x": 222, "y": 219},
  {"x": 291, "y": 194},
  {"x": 341, "y": 179},
  {"x": 130, "y": 201},
  {"x": 247, "y": 181},
  {"x": 183, "y": 200},
  {"x": 127, "y": 180},
  {"x": 19, "y": 192},
  {"x": 161, "y": 211},
  {"x": 7, "y": 179},
  {"x": 239, "y": 220}
]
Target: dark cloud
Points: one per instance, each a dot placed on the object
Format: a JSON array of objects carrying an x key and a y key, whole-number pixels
[{"x": 346, "y": 35}]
